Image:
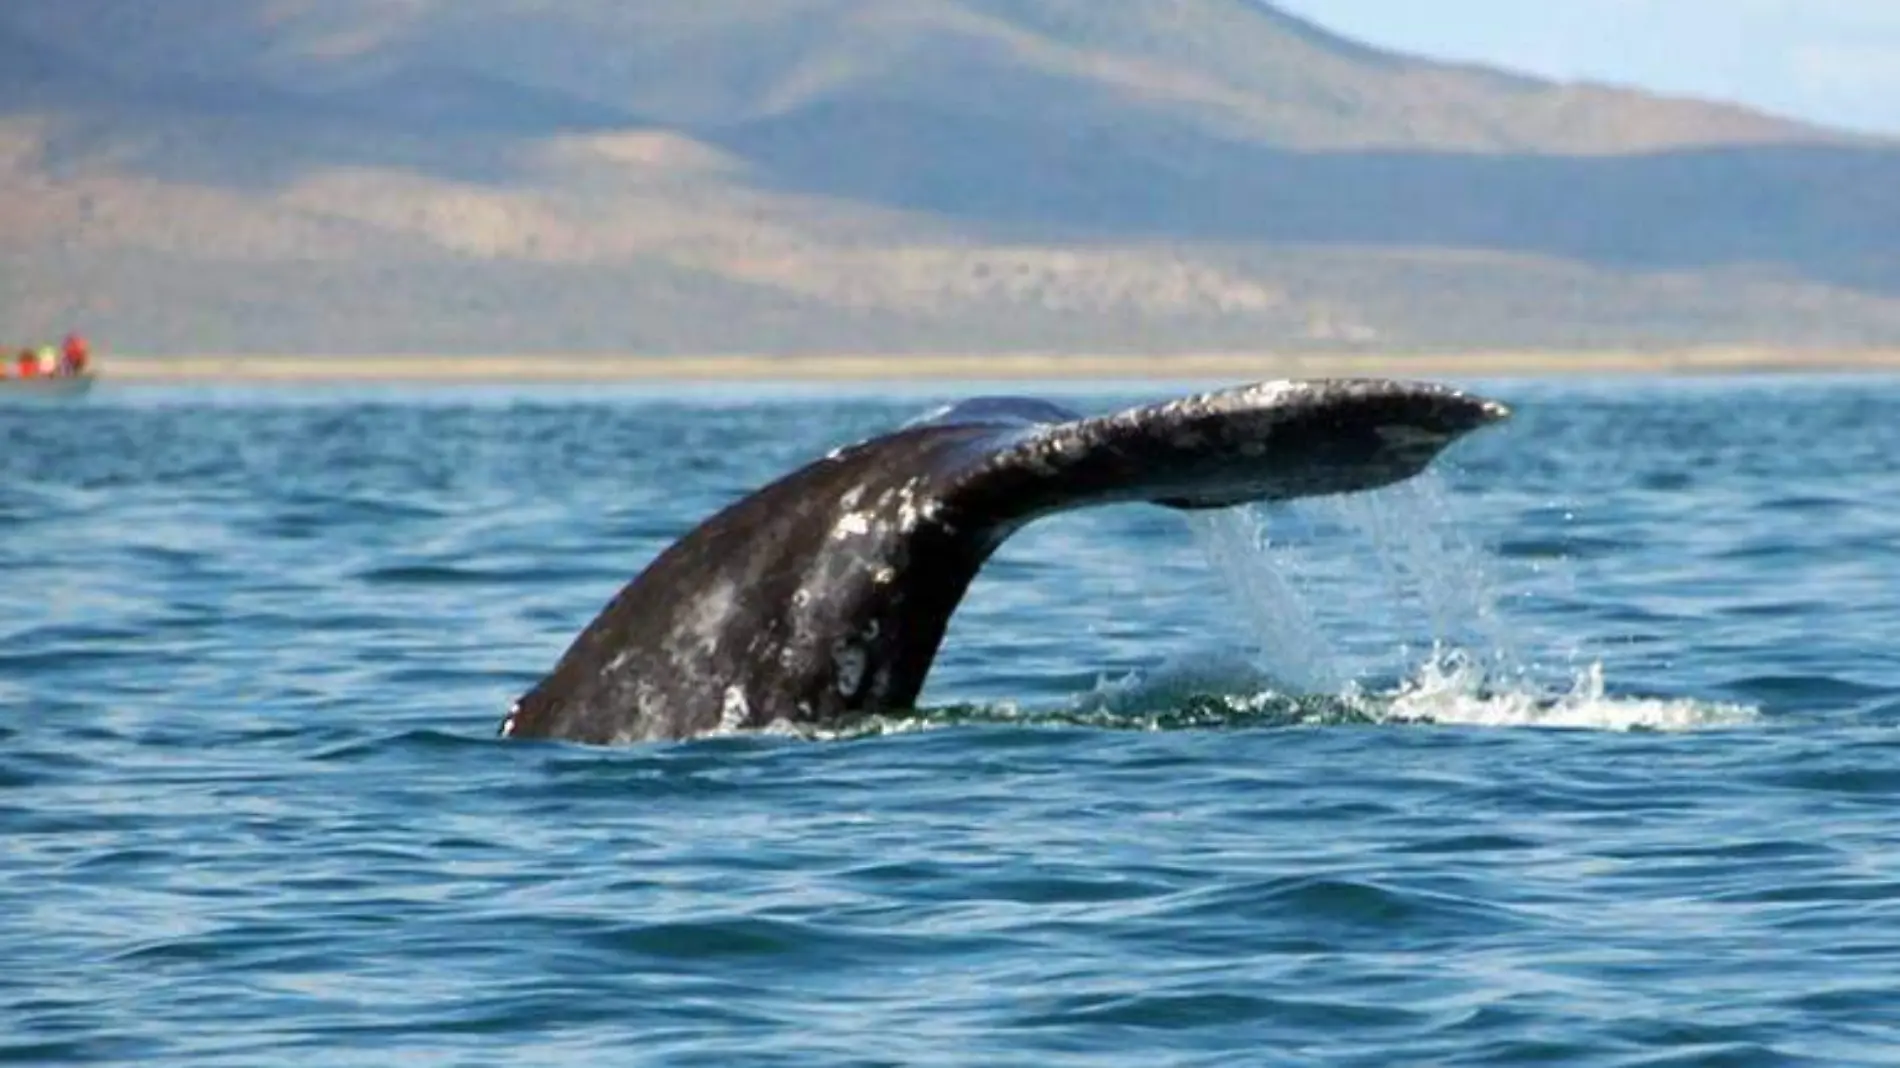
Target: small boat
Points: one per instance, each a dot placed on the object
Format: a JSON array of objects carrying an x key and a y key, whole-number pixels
[
  {"x": 48, "y": 372},
  {"x": 46, "y": 387}
]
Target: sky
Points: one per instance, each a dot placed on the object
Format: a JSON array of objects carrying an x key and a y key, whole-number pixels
[{"x": 1830, "y": 61}]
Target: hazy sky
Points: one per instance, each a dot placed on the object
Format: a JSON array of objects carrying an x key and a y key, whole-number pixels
[{"x": 1833, "y": 61}]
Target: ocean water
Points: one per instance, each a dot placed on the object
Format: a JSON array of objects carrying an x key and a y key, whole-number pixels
[{"x": 1583, "y": 749}]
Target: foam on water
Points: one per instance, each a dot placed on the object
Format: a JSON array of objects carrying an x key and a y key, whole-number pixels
[
  {"x": 1451, "y": 690},
  {"x": 1448, "y": 689}
]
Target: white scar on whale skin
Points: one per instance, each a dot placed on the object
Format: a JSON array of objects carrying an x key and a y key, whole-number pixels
[
  {"x": 850, "y": 663},
  {"x": 732, "y": 715},
  {"x": 711, "y": 615},
  {"x": 853, "y": 524},
  {"x": 915, "y": 508}
]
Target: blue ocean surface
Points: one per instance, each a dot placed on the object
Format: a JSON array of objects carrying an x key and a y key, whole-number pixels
[{"x": 1582, "y": 749}]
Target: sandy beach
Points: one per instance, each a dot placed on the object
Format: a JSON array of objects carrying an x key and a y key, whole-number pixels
[{"x": 555, "y": 368}]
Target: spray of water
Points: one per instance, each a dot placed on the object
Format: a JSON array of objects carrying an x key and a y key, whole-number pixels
[
  {"x": 1324, "y": 584},
  {"x": 1293, "y": 646}
]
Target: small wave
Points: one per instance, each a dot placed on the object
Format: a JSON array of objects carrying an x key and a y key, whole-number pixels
[{"x": 1449, "y": 689}]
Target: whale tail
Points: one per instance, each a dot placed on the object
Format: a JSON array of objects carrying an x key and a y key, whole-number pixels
[
  {"x": 826, "y": 594},
  {"x": 1266, "y": 442}
]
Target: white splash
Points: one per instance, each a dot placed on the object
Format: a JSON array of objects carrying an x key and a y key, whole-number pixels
[{"x": 1450, "y": 690}]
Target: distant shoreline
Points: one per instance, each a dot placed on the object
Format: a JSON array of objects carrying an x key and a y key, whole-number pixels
[{"x": 559, "y": 368}]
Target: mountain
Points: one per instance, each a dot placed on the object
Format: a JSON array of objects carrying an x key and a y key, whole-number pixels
[{"x": 894, "y": 175}]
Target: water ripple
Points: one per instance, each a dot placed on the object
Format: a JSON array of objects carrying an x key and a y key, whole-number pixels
[{"x": 1579, "y": 751}]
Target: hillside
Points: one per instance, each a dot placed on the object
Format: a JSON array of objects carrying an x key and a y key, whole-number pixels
[{"x": 692, "y": 175}]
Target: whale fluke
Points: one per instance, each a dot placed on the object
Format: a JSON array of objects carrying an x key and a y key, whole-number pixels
[{"x": 823, "y": 596}]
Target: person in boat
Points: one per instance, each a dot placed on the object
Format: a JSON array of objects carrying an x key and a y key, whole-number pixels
[
  {"x": 48, "y": 358},
  {"x": 28, "y": 363},
  {"x": 74, "y": 354}
]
